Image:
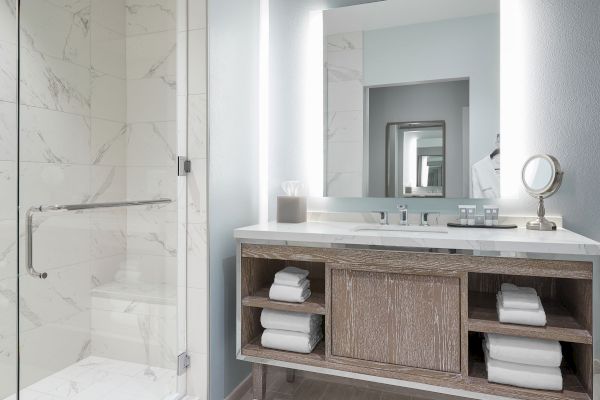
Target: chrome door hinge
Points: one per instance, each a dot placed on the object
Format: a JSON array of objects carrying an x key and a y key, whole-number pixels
[
  {"x": 184, "y": 166},
  {"x": 183, "y": 363}
]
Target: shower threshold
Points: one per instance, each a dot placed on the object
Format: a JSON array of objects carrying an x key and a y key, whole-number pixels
[{"x": 97, "y": 378}]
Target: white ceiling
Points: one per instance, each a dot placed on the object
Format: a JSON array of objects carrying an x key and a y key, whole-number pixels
[{"x": 390, "y": 13}]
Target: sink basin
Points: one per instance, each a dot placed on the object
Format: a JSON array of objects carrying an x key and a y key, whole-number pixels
[{"x": 401, "y": 228}]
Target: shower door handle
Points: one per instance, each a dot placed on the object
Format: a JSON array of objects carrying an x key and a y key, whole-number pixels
[
  {"x": 30, "y": 268},
  {"x": 72, "y": 207}
]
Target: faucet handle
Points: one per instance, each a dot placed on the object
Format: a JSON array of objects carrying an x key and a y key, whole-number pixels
[{"x": 383, "y": 217}]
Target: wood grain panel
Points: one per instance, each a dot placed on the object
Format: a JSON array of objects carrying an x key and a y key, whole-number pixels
[
  {"x": 491, "y": 283},
  {"x": 398, "y": 319},
  {"x": 315, "y": 304},
  {"x": 576, "y": 296},
  {"x": 408, "y": 261}
]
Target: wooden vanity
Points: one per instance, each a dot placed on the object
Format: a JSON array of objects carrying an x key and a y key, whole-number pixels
[{"x": 413, "y": 316}]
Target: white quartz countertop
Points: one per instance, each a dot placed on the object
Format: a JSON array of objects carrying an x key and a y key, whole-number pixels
[{"x": 520, "y": 240}]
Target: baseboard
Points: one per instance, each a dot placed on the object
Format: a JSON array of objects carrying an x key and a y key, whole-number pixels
[{"x": 241, "y": 389}]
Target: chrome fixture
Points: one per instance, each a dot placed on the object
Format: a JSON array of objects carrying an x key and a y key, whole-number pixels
[
  {"x": 383, "y": 218},
  {"x": 72, "y": 207},
  {"x": 403, "y": 210},
  {"x": 425, "y": 217},
  {"x": 542, "y": 177}
]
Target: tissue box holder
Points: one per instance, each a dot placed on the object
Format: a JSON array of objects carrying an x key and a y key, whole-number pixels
[{"x": 291, "y": 209}]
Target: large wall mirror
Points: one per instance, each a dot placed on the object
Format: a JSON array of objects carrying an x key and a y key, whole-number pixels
[{"x": 412, "y": 99}]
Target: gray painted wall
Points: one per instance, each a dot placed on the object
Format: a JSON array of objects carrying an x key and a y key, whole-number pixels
[
  {"x": 426, "y": 102},
  {"x": 233, "y": 172}
]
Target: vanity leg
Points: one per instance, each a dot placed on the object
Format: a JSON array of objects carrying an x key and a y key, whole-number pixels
[
  {"x": 259, "y": 381},
  {"x": 290, "y": 375}
]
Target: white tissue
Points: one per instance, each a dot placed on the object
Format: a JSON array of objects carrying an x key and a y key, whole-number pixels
[{"x": 292, "y": 188}]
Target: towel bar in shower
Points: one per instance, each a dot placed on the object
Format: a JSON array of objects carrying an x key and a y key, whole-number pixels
[{"x": 72, "y": 207}]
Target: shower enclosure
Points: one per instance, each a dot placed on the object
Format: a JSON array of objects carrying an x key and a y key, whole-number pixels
[{"x": 93, "y": 214}]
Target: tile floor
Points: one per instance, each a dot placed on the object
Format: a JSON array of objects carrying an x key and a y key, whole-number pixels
[
  {"x": 96, "y": 378},
  {"x": 309, "y": 386}
]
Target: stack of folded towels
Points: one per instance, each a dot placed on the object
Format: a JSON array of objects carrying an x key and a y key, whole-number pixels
[
  {"x": 291, "y": 331},
  {"x": 520, "y": 305},
  {"x": 291, "y": 285},
  {"x": 523, "y": 362}
]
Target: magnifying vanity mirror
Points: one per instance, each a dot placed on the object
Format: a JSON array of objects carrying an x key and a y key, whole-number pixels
[{"x": 542, "y": 177}]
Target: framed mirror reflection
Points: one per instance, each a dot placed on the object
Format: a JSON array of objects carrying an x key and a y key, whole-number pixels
[{"x": 431, "y": 63}]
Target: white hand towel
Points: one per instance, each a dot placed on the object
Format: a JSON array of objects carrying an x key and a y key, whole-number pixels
[
  {"x": 291, "y": 276},
  {"x": 520, "y": 350},
  {"x": 291, "y": 321},
  {"x": 525, "y": 376},
  {"x": 290, "y": 341},
  {"x": 520, "y": 317},
  {"x": 509, "y": 287},
  {"x": 291, "y": 294},
  {"x": 521, "y": 300}
]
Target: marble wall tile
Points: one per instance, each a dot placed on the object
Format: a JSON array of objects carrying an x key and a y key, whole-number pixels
[
  {"x": 150, "y": 236},
  {"x": 104, "y": 270},
  {"x": 344, "y": 126},
  {"x": 108, "y": 183},
  {"x": 345, "y": 66},
  {"x": 197, "y": 376},
  {"x": 152, "y": 144},
  {"x": 151, "y": 55},
  {"x": 150, "y": 100},
  {"x": 73, "y": 6},
  {"x": 108, "y": 233},
  {"x": 158, "y": 269},
  {"x": 344, "y": 156},
  {"x": 197, "y": 256},
  {"x": 43, "y": 183},
  {"x": 197, "y": 316},
  {"x": 108, "y": 97},
  {"x": 8, "y": 131},
  {"x": 197, "y": 126},
  {"x": 108, "y": 51},
  {"x": 197, "y": 61},
  {"x": 344, "y": 41},
  {"x": 56, "y": 32},
  {"x": 54, "y": 137},
  {"x": 151, "y": 182},
  {"x": 8, "y": 248},
  {"x": 8, "y": 72},
  {"x": 145, "y": 16},
  {"x": 344, "y": 184},
  {"x": 8, "y": 21},
  {"x": 110, "y": 14},
  {"x": 109, "y": 142},
  {"x": 344, "y": 96},
  {"x": 196, "y": 14},
  {"x": 8, "y": 337},
  {"x": 54, "y": 84},
  {"x": 53, "y": 347},
  {"x": 197, "y": 192}
]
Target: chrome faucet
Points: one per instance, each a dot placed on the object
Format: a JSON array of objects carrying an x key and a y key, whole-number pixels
[
  {"x": 425, "y": 217},
  {"x": 403, "y": 210},
  {"x": 383, "y": 218}
]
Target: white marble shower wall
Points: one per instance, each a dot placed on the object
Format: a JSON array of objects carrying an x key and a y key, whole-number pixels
[
  {"x": 8, "y": 198},
  {"x": 344, "y": 62}
]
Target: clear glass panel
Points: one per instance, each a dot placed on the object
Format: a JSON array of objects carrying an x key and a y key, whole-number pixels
[
  {"x": 8, "y": 200},
  {"x": 98, "y": 123}
]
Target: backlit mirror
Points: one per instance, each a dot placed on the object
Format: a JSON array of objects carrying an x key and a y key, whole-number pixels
[{"x": 412, "y": 99}]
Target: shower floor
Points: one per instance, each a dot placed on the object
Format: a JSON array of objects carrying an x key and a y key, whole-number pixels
[{"x": 96, "y": 378}]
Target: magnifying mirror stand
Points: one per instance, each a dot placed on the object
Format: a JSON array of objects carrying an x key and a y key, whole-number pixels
[{"x": 541, "y": 223}]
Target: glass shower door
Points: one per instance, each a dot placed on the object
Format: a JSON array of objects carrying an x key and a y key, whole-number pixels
[
  {"x": 100, "y": 303},
  {"x": 8, "y": 200}
]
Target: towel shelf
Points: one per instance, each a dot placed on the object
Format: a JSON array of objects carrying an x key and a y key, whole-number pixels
[
  {"x": 315, "y": 304},
  {"x": 72, "y": 207}
]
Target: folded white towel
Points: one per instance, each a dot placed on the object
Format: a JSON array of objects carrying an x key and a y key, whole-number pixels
[
  {"x": 509, "y": 287},
  {"x": 520, "y": 300},
  {"x": 521, "y": 375},
  {"x": 290, "y": 341},
  {"x": 520, "y": 317},
  {"x": 291, "y": 276},
  {"x": 291, "y": 294},
  {"x": 291, "y": 321},
  {"x": 520, "y": 350}
]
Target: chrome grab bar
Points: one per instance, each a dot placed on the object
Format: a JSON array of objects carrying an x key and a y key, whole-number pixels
[{"x": 72, "y": 207}]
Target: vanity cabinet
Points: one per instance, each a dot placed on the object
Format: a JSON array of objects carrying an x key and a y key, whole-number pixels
[
  {"x": 390, "y": 319},
  {"x": 417, "y": 319}
]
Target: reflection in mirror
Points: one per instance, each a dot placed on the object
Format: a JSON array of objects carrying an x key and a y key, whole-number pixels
[
  {"x": 415, "y": 163},
  {"x": 398, "y": 61},
  {"x": 538, "y": 174}
]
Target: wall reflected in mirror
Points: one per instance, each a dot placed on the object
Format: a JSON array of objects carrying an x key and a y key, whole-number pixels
[{"x": 392, "y": 63}]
